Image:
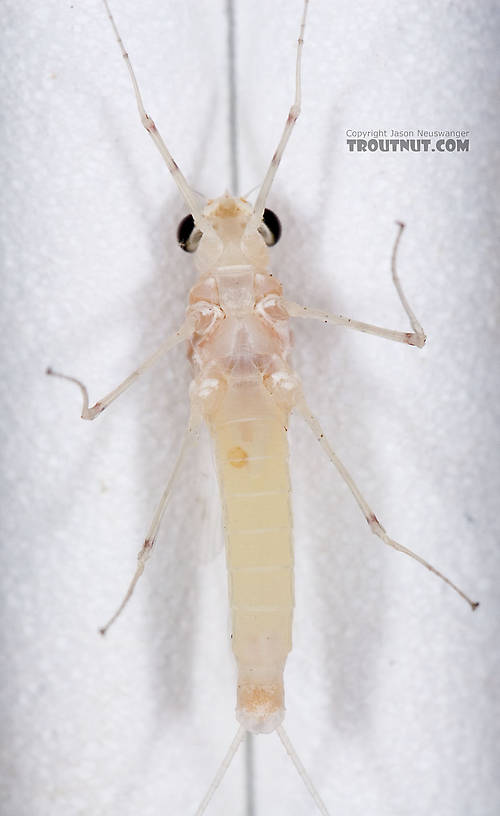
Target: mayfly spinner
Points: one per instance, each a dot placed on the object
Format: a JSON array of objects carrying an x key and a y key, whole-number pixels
[{"x": 237, "y": 328}]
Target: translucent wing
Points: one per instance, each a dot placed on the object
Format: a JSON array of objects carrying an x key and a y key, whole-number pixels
[{"x": 207, "y": 503}]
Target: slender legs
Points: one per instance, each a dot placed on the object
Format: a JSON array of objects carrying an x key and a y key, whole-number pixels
[
  {"x": 190, "y": 436},
  {"x": 414, "y": 338},
  {"x": 153, "y": 131},
  {"x": 293, "y": 115},
  {"x": 181, "y": 334},
  {"x": 365, "y": 508}
]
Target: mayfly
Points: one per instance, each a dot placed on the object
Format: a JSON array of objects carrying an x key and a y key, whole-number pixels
[{"x": 237, "y": 329}]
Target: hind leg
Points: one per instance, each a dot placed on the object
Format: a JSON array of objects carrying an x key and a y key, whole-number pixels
[{"x": 374, "y": 524}]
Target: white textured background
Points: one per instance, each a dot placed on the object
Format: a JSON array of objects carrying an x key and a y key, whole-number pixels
[{"x": 392, "y": 687}]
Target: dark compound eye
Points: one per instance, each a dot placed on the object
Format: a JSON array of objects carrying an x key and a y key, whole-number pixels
[
  {"x": 188, "y": 236},
  {"x": 270, "y": 229}
]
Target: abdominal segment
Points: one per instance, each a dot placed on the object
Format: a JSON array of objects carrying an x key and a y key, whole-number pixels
[{"x": 252, "y": 461}]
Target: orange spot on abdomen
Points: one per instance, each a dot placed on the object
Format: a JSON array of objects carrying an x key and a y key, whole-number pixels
[
  {"x": 237, "y": 457},
  {"x": 264, "y": 698}
]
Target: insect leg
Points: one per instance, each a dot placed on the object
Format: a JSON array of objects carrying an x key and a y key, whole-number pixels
[
  {"x": 189, "y": 196},
  {"x": 293, "y": 115},
  {"x": 368, "y": 513},
  {"x": 183, "y": 333},
  {"x": 412, "y": 338},
  {"x": 190, "y": 436},
  {"x": 415, "y": 338}
]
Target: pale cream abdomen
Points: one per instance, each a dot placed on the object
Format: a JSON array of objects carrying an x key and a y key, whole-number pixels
[{"x": 252, "y": 462}]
